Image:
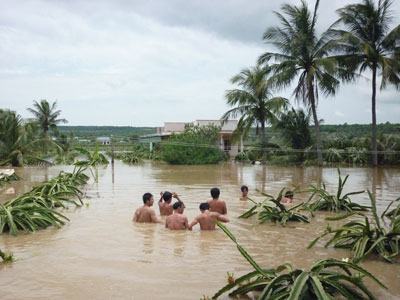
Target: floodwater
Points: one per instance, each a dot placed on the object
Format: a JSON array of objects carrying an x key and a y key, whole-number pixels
[{"x": 101, "y": 254}]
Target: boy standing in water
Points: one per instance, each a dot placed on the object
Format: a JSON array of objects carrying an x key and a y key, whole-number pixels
[
  {"x": 245, "y": 192},
  {"x": 177, "y": 221},
  {"x": 146, "y": 214},
  {"x": 166, "y": 206},
  {"x": 215, "y": 204},
  {"x": 207, "y": 219}
]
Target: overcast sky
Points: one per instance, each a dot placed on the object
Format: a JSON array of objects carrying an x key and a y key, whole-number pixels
[{"x": 143, "y": 62}]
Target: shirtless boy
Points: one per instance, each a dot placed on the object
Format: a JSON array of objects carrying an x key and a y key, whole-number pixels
[
  {"x": 166, "y": 205},
  {"x": 207, "y": 219},
  {"x": 245, "y": 192},
  {"x": 177, "y": 221},
  {"x": 146, "y": 214},
  {"x": 217, "y": 205}
]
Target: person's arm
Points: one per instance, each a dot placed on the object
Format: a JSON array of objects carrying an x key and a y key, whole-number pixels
[
  {"x": 159, "y": 201},
  {"x": 175, "y": 195},
  {"x": 154, "y": 218},
  {"x": 135, "y": 216},
  {"x": 186, "y": 223},
  {"x": 222, "y": 218},
  {"x": 225, "y": 209},
  {"x": 194, "y": 222}
]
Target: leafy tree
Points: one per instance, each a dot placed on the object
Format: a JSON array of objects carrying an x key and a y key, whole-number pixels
[
  {"x": 368, "y": 43},
  {"x": 302, "y": 56},
  {"x": 196, "y": 145},
  {"x": 254, "y": 102},
  {"x": 46, "y": 115}
]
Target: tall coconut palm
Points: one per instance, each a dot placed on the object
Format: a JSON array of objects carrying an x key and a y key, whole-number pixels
[
  {"x": 46, "y": 115},
  {"x": 302, "y": 56},
  {"x": 254, "y": 102},
  {"x": 368, "y": 44}
]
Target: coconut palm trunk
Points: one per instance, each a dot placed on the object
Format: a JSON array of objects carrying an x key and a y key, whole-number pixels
[
  {"x": 373, "y": 129},
  {"x": 263, "y": 141},
  {"x": 316, "y": 123}
]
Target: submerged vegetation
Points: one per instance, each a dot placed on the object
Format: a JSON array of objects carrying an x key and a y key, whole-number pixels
[
  {"x": 366, "y": 235},
  {"x": 6, "y": 257},
  {"x": 271, "y": 209},
  {"x": 37, "y": 209},
  {"x": 6, "y": 177},
  {"x": 325, "y": 279},
  {"x": 333, "y": 202}
]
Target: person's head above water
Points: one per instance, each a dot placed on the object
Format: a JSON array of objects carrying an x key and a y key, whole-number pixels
[
  {"x": 244, "y": 190},
  {"x": 179, "y": 206},
  {"x": 167, "y": 196},
  {"x": 215, "y": 193},
  {"x": 148, "y": 199},
  {"x": 289, "y": 194},
  {"x": 204, "y": 206}
]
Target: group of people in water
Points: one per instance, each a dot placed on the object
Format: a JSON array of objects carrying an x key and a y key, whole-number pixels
[{"x": 211, "y": 212}]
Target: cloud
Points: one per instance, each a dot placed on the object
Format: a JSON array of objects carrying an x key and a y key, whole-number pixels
[{"x": 143, "y": 62}]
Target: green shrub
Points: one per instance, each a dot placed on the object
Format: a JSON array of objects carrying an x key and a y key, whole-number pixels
[
  {"x": 196, "y": 145},
  {"x": 242, "y": 156}
]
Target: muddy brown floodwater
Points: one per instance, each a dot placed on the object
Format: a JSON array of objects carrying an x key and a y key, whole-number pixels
[{"x": 101, "y": 254}]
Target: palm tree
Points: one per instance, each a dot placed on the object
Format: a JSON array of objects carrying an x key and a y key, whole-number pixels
[
  {"x": 18, "y": 142},
  {"x": 295, "y": 129},
  {"x": 302, "y": 56},
  {"x": 46, "y": 115},
  {"x": 367, "y": 43},
  {"x": 254, "y": 102}
]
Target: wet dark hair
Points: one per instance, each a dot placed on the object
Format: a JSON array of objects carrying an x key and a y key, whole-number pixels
[
  {"x": 289, "y": 194},
  {"x": 204, "y": 206},
  {"x": 147, "y": 197},
  {"x": 167, "y": 196},
  {"x": 244, "y": 188},
  {"x": 215, "y": 193},
  {"x": 177, "y": 205}
]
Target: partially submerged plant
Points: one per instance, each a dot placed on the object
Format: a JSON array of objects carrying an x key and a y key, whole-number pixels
[
  {"x": 36, "y": 209},
  {"x": 365, "y": 236},
  {"x": 394, "y": 212},
  {"x": 92, "y": 160},
  {"x": 131, "y": 158},
  {"x": 7, "y": 257},
  {"x": 333, "y": 202},
  {"x": 7, "y": 176},
  {"x": 325, "y": 279},
  {"x": 271, "y": 209}
]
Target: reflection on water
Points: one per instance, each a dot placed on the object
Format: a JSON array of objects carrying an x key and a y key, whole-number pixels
[{"x": 102, "y": 254}]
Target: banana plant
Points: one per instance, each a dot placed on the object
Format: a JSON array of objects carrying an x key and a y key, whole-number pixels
[
  {"x": 325, "y": 279},
  {"x": 271, "y": 209},
  {"x": 364, "y": 236},
  {"x": 333, "y": 202}
]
